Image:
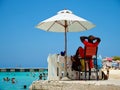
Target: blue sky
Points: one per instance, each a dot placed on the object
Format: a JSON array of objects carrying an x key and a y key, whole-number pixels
[{"x": 21, "y": 44}]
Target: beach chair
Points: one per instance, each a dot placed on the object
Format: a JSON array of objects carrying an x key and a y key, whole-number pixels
[{"x": 89, "y": 52}]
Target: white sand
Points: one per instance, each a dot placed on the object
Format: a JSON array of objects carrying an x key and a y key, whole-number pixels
[{"x": 114, "y": 74}]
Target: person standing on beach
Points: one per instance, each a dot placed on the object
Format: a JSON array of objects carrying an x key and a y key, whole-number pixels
[
  {"x": 61, "y": 61},
  {"x": 107, "y": 72}
]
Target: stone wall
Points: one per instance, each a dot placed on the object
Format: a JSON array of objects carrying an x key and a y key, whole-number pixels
[{"x": 75, "y": 85}]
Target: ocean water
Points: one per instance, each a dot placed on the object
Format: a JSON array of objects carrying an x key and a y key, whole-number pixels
[{"x": 21, "y": 79}]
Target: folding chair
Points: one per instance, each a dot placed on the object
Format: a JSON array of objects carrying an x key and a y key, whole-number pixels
[{"x": 89, "y": 52}]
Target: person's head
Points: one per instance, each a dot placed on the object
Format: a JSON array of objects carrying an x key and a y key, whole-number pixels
[
  {"x": 91, "y": 38},
  {"x": 62, "y": 53},
  {"x": 24, "y": 86}
]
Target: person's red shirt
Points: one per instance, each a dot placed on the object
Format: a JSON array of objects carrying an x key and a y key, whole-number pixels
[{"x": 86, "y": 43}]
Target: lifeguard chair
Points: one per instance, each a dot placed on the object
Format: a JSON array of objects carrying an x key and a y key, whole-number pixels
[{"x": 89, "y": 52}]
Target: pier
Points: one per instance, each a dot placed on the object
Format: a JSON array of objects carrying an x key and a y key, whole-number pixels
[{"x": 22, "y": 69}]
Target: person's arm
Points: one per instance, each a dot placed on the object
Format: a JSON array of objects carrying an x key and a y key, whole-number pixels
[
  {"x": 82, "y": 38},
  {"x": 97, "y": 39}
]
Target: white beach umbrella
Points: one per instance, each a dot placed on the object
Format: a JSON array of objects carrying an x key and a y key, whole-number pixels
[{"x": 65, "y": 21}]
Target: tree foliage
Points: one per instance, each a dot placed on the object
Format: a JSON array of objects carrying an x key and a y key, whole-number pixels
[{"x": 116, "y": 58}]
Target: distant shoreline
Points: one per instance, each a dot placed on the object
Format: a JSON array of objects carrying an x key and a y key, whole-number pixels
[{"x": 22, "y": 69}]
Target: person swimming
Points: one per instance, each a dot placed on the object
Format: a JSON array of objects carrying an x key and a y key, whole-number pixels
[
  {"x": 13, "y": 80},
  {"x": 25, "y": 86},
  {"x": 6, "y": 79}
]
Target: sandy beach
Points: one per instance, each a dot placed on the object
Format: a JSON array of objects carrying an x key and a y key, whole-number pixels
[
  {"x": 113, "y": 83},
  {"x": 114, "y": 74}
]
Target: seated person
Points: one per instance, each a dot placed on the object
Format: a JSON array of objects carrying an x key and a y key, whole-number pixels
[
  {"x": 88, "y": 41},
  {"x": 75, "y": 63}
]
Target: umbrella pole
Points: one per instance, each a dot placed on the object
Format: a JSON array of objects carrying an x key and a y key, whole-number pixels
[{"x": 65, "y": 73}]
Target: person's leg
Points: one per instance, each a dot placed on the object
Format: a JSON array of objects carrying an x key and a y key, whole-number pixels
[{"x": 91, "y": 63}]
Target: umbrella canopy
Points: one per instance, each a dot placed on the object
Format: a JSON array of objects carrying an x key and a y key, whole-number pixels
[
  {"x": 65, "y": 21},
  {"x": 65, "y": 18}
]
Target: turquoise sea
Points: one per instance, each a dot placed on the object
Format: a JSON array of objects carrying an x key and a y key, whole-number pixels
[{"x": 21, "y": 79}]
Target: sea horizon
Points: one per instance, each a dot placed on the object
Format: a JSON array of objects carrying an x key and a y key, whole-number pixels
[{"x": 23, "y": 67}]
